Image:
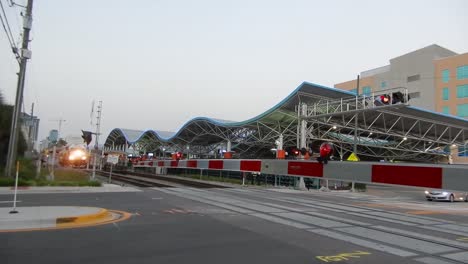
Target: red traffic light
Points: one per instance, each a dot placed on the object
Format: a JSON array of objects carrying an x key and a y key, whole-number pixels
[
  {"x": 385, "y": 99},
  {"x": 326, "y": 151}
]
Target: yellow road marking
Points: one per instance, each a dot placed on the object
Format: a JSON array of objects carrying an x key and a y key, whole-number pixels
[
  {"x": 342, "y": 256},
  {"x": 463, "y": 239}
]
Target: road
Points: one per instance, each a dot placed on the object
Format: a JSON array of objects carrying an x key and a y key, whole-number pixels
[{"x": 249, "y": 225}]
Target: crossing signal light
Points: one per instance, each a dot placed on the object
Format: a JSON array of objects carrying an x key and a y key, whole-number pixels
[
  {"x": 393, "y": 98},
  {"x": 87, "y": 136},
  {"x": 385, "y": 99},
  {"x": 326, "y": 151},
  {"x": 398, "y": 97},
  {"x": 295, "y": 152}
]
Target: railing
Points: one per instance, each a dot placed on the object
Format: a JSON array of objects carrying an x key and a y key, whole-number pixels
[
  {"x": 437, "y": 176},
  {"x": 360, "y": 102}
]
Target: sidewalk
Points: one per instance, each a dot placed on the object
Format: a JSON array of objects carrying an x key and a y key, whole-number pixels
[
  {"x": 62, "y": 189},
  {"x": 52, "y": 217}
]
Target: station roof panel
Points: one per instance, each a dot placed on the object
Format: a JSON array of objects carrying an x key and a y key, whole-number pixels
[{"x": 282, "y": 112}]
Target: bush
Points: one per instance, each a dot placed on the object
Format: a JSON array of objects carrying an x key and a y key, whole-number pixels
[
  {"x": 6, "y": 182},
  {"x": 27, "y": 168},
  {"x": 63, "y": 177}
]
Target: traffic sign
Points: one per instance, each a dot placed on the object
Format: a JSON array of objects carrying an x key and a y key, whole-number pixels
[
  {"x": 353, "y": 157},
  {"x": 114, "y": 159}
]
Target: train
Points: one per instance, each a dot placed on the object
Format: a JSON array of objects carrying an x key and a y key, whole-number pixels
[{"x": 74, "y": 157}]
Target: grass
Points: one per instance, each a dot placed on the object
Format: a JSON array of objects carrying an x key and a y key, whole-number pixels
[{"x": 63, "y": 177}]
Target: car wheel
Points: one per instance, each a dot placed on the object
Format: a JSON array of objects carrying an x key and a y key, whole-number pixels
[
  {"x": 429, "y": 199},
  {"x": 466, "y": 198},
  {"x": 452, "y": 198}
]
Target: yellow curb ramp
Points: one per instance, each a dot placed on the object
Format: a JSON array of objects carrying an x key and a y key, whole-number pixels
[
  {"x": 39, "y": 218},
  {"x": 101, "y": 216}
]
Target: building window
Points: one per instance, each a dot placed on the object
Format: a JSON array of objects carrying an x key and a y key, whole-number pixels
[
  {"x": 414, "y": 95},
  {"x": 445, "y": 76},
  {"x": 462, "y": 110},
  {"x": 462, "y": 91},
  {"x": 445, "y": 93},
  {"x": 446, "y": 110},
  {"x": 462, "y": 72},
  {"x": 413, "y": 78},
  {"x": 383, "y": 85},
  {"x": 366, "y": 90},
  {"x": 463, "y": 151}
]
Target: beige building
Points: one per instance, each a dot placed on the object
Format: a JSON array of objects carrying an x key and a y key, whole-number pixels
[
  {"x": 451, "y": 84},
  {"x": 436, "y": 79}
]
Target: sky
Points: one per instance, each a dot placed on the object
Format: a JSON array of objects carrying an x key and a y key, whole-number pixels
[{"x": 156, "y": 64}]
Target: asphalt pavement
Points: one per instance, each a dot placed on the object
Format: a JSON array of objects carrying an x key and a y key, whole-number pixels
[{"x": 248, "y": 225}]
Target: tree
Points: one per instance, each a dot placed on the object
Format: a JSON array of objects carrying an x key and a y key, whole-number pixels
[
  {"x": 6, "y": 112},
  {"x": 62, "y": 143}
]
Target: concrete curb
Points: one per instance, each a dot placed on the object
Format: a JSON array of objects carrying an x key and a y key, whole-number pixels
[{"x": 56, "y": 217}]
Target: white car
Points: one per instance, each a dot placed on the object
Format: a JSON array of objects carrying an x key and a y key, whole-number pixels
[{"x": 443, "y": 195}]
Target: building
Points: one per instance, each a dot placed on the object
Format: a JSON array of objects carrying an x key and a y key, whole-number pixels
[
  {"x": 30, "y": 129},
  {"x": 436, "y": 79}
]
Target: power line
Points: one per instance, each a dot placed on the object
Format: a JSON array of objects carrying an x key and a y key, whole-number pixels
[
  {"x": 6, "y": 21},
  {"x": 7, "y": 29}
]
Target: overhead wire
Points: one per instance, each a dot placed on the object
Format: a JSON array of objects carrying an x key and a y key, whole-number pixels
[
  {"x": 7, "y": 28},
  {"x": 6, "y": 21},
  {"x": 6, "y": 31}
]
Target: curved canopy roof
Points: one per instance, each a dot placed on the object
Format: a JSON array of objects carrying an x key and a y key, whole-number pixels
[{"x": 261, "y": 131}]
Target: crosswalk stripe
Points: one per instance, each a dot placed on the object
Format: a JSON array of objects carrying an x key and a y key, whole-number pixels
[
  {"x": 363, "y": 243},
  {"x": 320, "y": 223},
  {"x": 398, "y": 240}
]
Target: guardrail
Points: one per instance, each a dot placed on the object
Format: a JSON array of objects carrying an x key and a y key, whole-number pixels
[{"x": 437, "y": 176}]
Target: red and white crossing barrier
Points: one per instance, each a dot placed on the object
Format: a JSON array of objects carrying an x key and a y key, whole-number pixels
[{"x": 437, "y": 176}]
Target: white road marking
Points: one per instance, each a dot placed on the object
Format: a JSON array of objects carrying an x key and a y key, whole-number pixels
[
  {"x": 419, "y": 235},
  {"x": 9, "y": 201},
  {"x": 383, "y": 219},
  {"x": 429, "y": 260},
  {"x": 462, "y": 256},
  {"x": 316, "y": 221},
  {"x": 404, "y": 218},
  {"x": 401, "y": 241},
  {"x": 363, "y": 243}
]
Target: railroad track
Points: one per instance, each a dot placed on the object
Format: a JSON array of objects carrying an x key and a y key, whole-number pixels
[{"x": 150, "y": 180}]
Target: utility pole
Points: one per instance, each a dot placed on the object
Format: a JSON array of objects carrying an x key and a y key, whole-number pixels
[
  {"x": 25, "y": 55},
  {"x": 96, "y": 143}
]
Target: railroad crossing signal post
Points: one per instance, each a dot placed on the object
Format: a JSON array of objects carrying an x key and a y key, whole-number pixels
[{"x": 113, "y": 160}]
